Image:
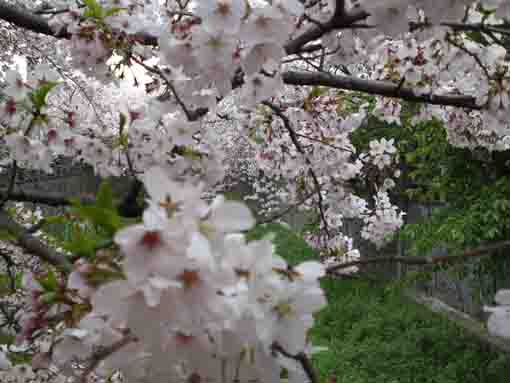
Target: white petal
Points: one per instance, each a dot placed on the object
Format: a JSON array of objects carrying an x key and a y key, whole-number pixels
[
  {"x": 232, "y": 216},
  {"x": 160, "y": 282},
  {"x": 499, "y": 323},
  {"x": 502, "y": 297},
  {"x": 152, "y": 296},
  {"x": 157, "y": 183},
  {"x": 311, "y": 271},
  {"x": 5, "y": 363},
  {"x": 200, "y": 250},
  {"x": 127, "y": 236}
]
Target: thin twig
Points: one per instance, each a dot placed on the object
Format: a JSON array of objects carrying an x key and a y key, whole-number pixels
[
  {"x": 324, "y": 143},
  {"x": 297, "y": 144},
  {"x": 104, "y": 353},
  {"x": 471, "y": 54},
  {"x": 287, "y": 210},
  {"x": 170, "y": 85},
  {"x": 432, "y": 260},
  {"x": 63, "y": 73},
  {"x": 302, "y": 358}
]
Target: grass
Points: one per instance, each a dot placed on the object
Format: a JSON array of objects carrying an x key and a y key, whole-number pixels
[{"x": 375, "y": 335}]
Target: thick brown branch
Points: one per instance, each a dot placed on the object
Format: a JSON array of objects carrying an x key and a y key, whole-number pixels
[
  {"x": 487, "y": 250},
  {"x": 127, "y": 208},
  {"x": 27, "y": 20},
  {"x": 45, "y": 198},
  {"x": 24, "y": 19},
  {"x": 381, "y": 88},
  {"x": 32, "y": 244},
  {"x": 340, "y": 20}
]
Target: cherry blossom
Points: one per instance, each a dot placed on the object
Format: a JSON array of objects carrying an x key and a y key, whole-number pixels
[{"x": 222, "y": 100}]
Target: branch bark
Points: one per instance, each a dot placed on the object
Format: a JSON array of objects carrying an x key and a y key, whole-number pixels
[
  {"x": 432, "y": 260},
  {"x": 381, "y": 88},
  {"x": 127, "y": 208},
  {"x": 32, "y": 244},
  {"x": 340, "y": 20},
  {"x": 27, "y": 20},
  {"x": 301, "y": 358},
  {"x": 45, "y": 198}
]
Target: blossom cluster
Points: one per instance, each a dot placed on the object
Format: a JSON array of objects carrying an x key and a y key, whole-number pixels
[
  {"x": 498, "y": 323},
  {"x": 385, "y": 220},
  {"x": 192, "y": 300},
  {"x": 196, "y": 300}
]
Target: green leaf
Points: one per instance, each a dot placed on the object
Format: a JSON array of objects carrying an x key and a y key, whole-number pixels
[
  {"x": 39, "y": 95},
  {"x": 317, "y": 91},
  {"x": 49, "y": 282},
  {"x": 48, "y": 298},
  {"x": 104, "y": 197},
  {"x": 82, "y": 243},
  {"x": 101, "y": 217},
  {"x": 6, "y": 235},
  {"x": 94, "y": 9},
  {"x": 20, "y": 358},
  {"x": 18, "y": 280},
  {"x": 57, "y": 219},
  {"x": 5, "y": 284},
  {"x": 75, "y": 201}
]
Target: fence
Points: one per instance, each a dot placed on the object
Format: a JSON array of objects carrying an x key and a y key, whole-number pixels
[{"x": 466, "y": 285}]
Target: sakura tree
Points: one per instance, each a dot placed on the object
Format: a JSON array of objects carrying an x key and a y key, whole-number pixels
[{"x": 269, "y": 80}]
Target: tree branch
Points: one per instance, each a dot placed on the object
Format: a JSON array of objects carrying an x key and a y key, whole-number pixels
[
  {"x": 24, "y": 19},
  {"x": 103, "y": 353},
  {"x": 340, "y": 20},
  {"x": 127, "y": 208},
  {"x": 381, "y": 88},
  {"x": 433, "y": 260},
  {"x": 32, "y": 244},
  {"x": 286, "y": 122},
  {"x": 27, "y": 20},
  {"x": 45, "y": 198},
  {"x": 301, "y": 358}
]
